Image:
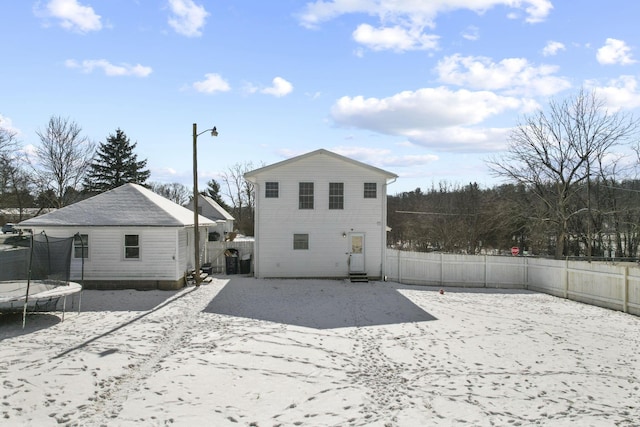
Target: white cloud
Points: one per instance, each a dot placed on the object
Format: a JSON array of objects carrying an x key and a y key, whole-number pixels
[
  {"x": 383, "y": 157},
  {"x": 88, "y": 65},
  {"x": 279, "y": 88},
  {"x": 7, "y": 124},
  {"x": 471, "y": 33},
  {"x": 402, "y": 22},
  {"x": 435, "y": 117},
  {"x": 510, "y": 75},
  {"x": 394, "y": 38},
  {"x": 552, "y": 48},
  {"x": 72, "y": 15},
  {"x": 619, "y": 93},
  {"x": 615, "y": 52},
  {"x": 187, "y": 18},
  {"x": 211, "y": 84}
]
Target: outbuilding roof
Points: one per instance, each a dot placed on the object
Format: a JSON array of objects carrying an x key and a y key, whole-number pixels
[{"x": 127, "y": 205}]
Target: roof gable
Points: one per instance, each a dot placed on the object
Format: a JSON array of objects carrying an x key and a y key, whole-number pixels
[
  {"x": 127, "y": 205},
  {"x": 222, "y": 213},
  {"x": 320, "y": 152}
]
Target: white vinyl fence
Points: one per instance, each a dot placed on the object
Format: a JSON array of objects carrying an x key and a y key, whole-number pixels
[{"x": 614, "y": 286}]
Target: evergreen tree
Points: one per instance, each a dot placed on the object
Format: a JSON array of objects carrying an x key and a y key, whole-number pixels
[
  {"x": 213, "y": 191},
  {"x": 116, "y": 164}
]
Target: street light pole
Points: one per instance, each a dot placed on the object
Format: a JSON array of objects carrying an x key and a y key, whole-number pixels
[{"x": 196, "y": 232}]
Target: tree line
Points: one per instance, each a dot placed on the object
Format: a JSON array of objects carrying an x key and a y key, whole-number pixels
[{"x": 572, "y": 191}]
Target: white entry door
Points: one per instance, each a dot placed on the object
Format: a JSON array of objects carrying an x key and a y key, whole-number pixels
[{"x": 356, "y": 253}]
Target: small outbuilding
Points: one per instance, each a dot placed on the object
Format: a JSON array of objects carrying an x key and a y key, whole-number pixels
[{"x": 128, "y": 237}]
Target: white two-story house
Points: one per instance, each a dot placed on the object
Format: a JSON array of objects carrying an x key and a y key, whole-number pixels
[{"x": 320, "y": 215}]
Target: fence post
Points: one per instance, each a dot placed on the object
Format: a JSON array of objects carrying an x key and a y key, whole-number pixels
[
  {"x": 566, "y": 278},
  {"x": 399, "y": 269},
  {"x": 441, "y": 269},
  {"x": 485, "y": 271},
  {"x": 625, "y": 291}
]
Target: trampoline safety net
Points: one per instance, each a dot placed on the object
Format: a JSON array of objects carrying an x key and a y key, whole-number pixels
[
  {"x": 37, "y": 257},
  {"x": 34, "y": 265}
]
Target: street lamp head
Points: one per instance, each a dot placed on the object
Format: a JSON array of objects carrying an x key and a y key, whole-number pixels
[{"x": 214, "y": 131}]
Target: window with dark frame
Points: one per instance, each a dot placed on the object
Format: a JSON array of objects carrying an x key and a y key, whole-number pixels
[
  {"x": 271, "y": 190},
  {"x": 81, "y": 246},
  {"x": 305, "y": 195},
  {"x": 370, "y": 190},
  {"x": 300, "y": 241},
  {"x": 336, "y": 195},
  {"x": 131, "y": 246}
]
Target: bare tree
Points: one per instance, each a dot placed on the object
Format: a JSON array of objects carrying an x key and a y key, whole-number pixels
[
  {"x": 241, "y": 194},
  {"x": 553, "y": 153},
  {"x": 174, "y": 191},
  {"x": 15, "y": 181},
  {"x": 63, "y": 159}
]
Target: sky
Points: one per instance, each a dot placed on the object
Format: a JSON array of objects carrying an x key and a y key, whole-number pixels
[{"x": 428, "y": 90}]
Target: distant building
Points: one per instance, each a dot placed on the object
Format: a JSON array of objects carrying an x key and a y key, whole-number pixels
[
  {"x": 209, "y": 208},
  {"x": 18, "y": 214}
]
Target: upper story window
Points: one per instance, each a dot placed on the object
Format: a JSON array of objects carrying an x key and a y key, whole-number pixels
[
  {"x": 370, "y": 190},
  {"x": 271, "y": 190},
  {"x": 305, "y": 195},
  {"x": 81, "y": 246},
  {"x": 336, "y": 195},
  {"x": 131, "y": 246}
]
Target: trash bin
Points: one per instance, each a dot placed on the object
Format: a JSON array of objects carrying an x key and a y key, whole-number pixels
[
  {"x": 245, "y": 264},
  {"x": 231, "y": 261}
]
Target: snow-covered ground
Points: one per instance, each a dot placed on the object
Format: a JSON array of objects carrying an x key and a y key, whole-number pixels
[{"x": 248, "y": 352}]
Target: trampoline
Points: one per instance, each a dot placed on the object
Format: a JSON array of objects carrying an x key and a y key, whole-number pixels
[
  {"x": 35, "y": 273},
  {"x": 37, "y": 295}
]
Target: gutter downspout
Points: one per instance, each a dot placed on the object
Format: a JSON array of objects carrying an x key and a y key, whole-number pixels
[
  {"x": 383, "y": 264},
  {"x": 256, "y": 226}
]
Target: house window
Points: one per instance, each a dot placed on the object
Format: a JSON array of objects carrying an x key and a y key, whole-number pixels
[
  {"x": 305, "y": 195},
  {"x": 81, "y": 246},
  {"x": 271, "y": 190},
  {"x": 131, "y": 246},
  {"x": 300, "y": 241},
  {"x": 336, "y": 195},
  {"x": 370, "y": 190}
]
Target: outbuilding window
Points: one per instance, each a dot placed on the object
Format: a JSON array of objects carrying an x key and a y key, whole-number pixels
[
  {"x": 131, "y": 246},
  {"x": 81, "y": 246}
]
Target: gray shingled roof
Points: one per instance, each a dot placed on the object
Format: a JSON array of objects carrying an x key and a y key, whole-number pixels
[
  {"x": 222, "y": 213},
  {"x": 127, "y": 205}
]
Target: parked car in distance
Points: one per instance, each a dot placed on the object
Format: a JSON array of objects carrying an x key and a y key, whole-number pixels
[{"x": 9, "y": 228}]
